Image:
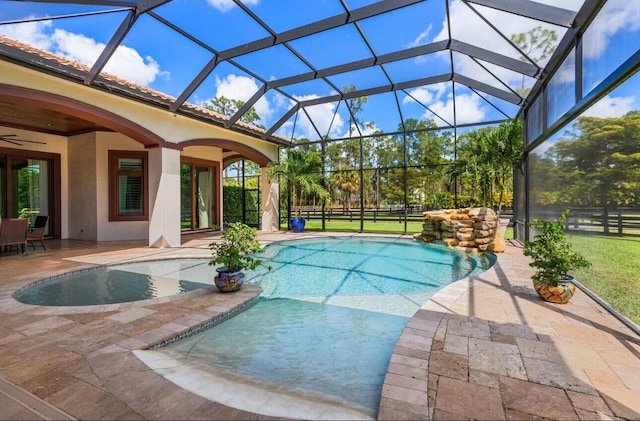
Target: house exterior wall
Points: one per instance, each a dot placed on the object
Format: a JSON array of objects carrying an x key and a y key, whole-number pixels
[
  {"x": 113, "y": 230},
  {"x": 84, "y": 186}
]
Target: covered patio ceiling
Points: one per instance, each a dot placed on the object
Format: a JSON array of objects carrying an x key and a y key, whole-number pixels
[{"x": 304, "y": 66}]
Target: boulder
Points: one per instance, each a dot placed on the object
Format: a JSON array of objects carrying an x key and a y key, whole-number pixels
[{"x": 469, "y": 228}]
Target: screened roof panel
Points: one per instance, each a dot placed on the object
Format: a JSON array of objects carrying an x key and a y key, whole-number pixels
[
  {"x": 379, "y": 113},
  {"x": 430, "y": 102},
  {"x": 283, "y": 15},
  {"x": 422, "y": 66},
  {"x": 80, "y": 39},
  {"x": 154, "y": 57},
  {"x": 219, "y": 24},
  {"x": 498, "y": 109},
  {"x": 496, "y": 76},
  {"x": 279, "y": 55},
  {"x": 368, "y": 77},
  {"x": 226, "y": 80},
  {"x": 314, "y": 88},
  {"x": 20, "y": 10},
  {"x": 333, "y": 47},
  {"x": 477, "y": 32},
  {"x": 414, "y": 31},
  {"x": 520, "y": 24},
  {"x": 320, "y": 120},
  {"x": 412, "y": 109},
  {"x": 275, "y": 62}
]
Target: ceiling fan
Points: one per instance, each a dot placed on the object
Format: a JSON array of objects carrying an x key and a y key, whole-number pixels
[{"x": 5, "y": 138}]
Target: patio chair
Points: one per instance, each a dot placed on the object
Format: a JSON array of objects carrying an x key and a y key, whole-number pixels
[
  {"x": 13, "y": 232},
  {"x": 36, "y": 232}
]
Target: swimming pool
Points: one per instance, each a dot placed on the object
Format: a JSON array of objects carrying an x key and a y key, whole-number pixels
[
  {"x": 119, "y": 283},
  {"x": 327, "y": 320}
]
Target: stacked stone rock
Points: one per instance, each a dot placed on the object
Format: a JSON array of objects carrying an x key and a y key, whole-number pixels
[{"x": 474, "y": 229}]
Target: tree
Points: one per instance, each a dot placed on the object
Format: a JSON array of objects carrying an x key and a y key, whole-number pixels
[
  {"x": 492, "y": 154},
  {"x": 301, "y": 170},
  {"x": 230, "y": 107},
  {"x": 598, "y": 162},
  {"x": 348, "y": 182},
  {"x": 537, "y": 44}
]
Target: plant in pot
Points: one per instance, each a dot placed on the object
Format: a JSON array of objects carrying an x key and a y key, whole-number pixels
[
  {"x": 236, "y": 252},
  {"x": 553, "y": 258},
  {"x": 301, "y": 170}
]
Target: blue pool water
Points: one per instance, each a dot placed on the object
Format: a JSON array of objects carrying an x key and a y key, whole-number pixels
[
  {"x": 330, "y": 314},
  {"x": 119, "y": 283},
  {"x": 326, "y": 322}
]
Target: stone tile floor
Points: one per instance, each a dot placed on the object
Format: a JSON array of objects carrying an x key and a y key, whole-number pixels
[{"x": 482, "y": 348}]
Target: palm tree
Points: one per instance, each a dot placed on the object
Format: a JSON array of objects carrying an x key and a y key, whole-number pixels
[
  {"x": 348, "y": 182},
  {"x": 301, "y": 170},
  {"x": 492, "y": 154}
]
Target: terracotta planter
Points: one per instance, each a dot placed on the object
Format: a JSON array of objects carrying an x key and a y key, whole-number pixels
[
  {"x": 560, "y": 294},
  {"x": 228, "y": 280}
]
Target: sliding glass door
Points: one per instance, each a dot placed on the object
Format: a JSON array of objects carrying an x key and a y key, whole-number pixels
[
  {"x": 199, "y": 207},
  {"x": 26, "y": 185}
]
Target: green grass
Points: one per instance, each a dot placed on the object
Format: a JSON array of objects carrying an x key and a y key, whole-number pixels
[
  {"x": 354, "y": 226},
  {"x": 615, "y": 271},
  {"x": 371, "y": 227}
]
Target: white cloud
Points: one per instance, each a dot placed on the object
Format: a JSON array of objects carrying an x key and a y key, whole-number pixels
[
  {"x": 242, "y": 88},
  {"x": 226, "y": 5},
  {"x": 125, "y": 61},
  {"x": 420, "y": 39},
  {"x": 425, "y": 95},
  {"x": 609, "y": 107},
  {"x": 469, "y": 28},
  {"x": 614, "y": 16},
  {"x": 468, "y": 109},
  {"x": 439, "y": 99},
  {"x": 321, "y": 114},
  {"x": 32, "y": 33}
]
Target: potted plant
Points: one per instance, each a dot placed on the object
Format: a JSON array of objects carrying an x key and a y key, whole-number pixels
[
  {"x": 301, "y": 170},
  {"x": 235, "y": 252},
  {"x": 553, "y": 258}
]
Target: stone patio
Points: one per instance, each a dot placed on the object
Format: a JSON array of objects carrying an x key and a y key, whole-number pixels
[{"x": 482, "y": 348}]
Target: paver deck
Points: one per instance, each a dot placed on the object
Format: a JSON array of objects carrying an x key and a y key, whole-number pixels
[{"x": 483, "y": 348}]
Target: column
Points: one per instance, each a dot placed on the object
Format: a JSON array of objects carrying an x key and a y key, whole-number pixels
[
  {"x": 164, "y": 197},
  {"x": 270, "y": 203}
]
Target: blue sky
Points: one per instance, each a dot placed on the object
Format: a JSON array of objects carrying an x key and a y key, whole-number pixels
[{"x": 154, "y": 55}]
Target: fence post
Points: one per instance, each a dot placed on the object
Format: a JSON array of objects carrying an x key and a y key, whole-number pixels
[
  {"x": 605, "y": 219},
  {"x": 619, "y": 223}
]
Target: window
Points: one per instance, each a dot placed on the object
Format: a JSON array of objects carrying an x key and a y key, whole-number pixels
[{"x": 128, "y": 192}]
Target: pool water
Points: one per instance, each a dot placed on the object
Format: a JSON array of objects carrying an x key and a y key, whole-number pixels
[
  {"x": 330, "y": 314},
  {"x": 119, "y": 283}
]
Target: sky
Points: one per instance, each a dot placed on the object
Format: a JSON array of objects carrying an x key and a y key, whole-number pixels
[{"x": 154, "y": 55}]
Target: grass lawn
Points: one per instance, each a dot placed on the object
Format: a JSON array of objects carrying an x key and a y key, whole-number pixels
[
  {"x": 615, "y": 271},
  {"x": 370, "y": 227}
]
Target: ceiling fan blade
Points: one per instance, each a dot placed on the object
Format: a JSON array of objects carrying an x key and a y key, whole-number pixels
[
  {"x": 15, "y": 141},
  {"x": 10, "y": 141},
  {"x": 29, "y": 141}
]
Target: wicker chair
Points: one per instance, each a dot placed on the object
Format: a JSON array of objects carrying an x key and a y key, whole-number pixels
[
  {"x": 36, "y": 232},
  {"x": 13, "y": 232}
]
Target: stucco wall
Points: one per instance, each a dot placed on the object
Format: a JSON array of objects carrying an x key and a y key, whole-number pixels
[{"x": 83, "y": 223}]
